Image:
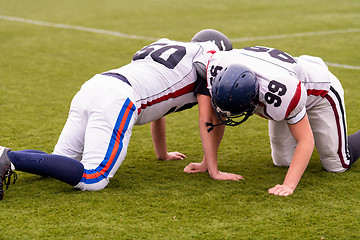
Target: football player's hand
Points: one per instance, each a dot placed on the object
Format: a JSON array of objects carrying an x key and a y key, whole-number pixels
[
  {"x": 227, "y": 176},
  {"x": 281, "y": 190},
  {"x": 195, "y": 168},
  {"x": 174, "y": 156}
]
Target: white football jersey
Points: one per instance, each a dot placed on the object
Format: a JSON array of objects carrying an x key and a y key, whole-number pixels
[
  {"x": 284, "y": 81},
  {"x": 163, "y": 77}
]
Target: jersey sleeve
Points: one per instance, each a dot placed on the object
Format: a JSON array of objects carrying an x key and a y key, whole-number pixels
[
  {"x": 200, "y": 87},
  {"x": 297, "y": 117},
  {"x": 284, "y": 97}
]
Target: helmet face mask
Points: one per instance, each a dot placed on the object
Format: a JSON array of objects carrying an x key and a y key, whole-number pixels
[
  {"x": 230, "y": 119},
  {"x": 234, "y": 94}
]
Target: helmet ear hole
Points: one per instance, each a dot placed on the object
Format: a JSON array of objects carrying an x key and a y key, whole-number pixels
[{"x": 236, "y": 85}]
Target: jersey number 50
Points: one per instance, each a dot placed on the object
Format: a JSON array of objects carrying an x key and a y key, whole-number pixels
[{"x": 167, "y": 55}]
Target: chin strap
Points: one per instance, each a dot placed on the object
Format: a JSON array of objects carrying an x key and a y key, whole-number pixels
[
  {"x": 228, "y": 122},
  {"x": 211, "y": 126}
]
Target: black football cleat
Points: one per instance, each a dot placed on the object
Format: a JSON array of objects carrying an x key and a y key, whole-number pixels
[{"x": 5, "y": 170}]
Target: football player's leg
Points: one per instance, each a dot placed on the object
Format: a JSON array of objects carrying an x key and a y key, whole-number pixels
[
  {"x": 71, "y": 139},
  {"x": 354, "y": 146},
  {"x": 62, "y": 168},
  {"x": 328, "y": 122},
  {"x": 61, "y": 165},
  {"x": 111, "y": 116},
  {"x": 106, "y": 142},
  {"x": 282, "y": 142}
]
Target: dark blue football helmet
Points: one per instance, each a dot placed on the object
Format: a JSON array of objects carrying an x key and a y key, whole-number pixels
[
  {"x": 222, "y": 41},
  {"x": 235, "y": 92}
]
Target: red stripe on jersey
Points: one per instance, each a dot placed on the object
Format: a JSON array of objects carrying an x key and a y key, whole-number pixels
[
  {"x": 177, "y": 93},
  {"x": 315, "y": 92},
  {"x": 295, "y": 100}
]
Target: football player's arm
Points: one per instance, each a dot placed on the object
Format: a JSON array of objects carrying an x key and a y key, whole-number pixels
[
  {"x": 158, "y": 134},
  {"x": 210, "y": 142},
  {"x": 305, "y": 145}
]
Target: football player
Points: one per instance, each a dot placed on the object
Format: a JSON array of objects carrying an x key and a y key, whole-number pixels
[
  {"x": 160, "y": 79},
  {"x": 302, "y": 99}
]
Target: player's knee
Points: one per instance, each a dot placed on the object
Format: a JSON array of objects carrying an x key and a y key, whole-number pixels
[
  {"x": 93, "y": 186},
  {"x": 333, "y": 164},
  {"x": 335, "y": 169},
  {"x": 281, "y": 160},
  {"x": 281, "y": 153},
  {"x": 278, "y": 163}
]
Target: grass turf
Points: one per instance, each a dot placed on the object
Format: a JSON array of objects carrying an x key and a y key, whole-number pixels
[{"x": 42, "y": 68}]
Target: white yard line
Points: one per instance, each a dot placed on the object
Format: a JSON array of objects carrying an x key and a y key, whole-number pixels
[
  {"x": 74, "y": 27},
  {"x": 138, "y": 37},
  {"x": 292, "y": 35},
  {"x": 342, "y": 66}
]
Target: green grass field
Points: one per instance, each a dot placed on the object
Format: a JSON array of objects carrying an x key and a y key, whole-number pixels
[{"x": 42, "y": 67}]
